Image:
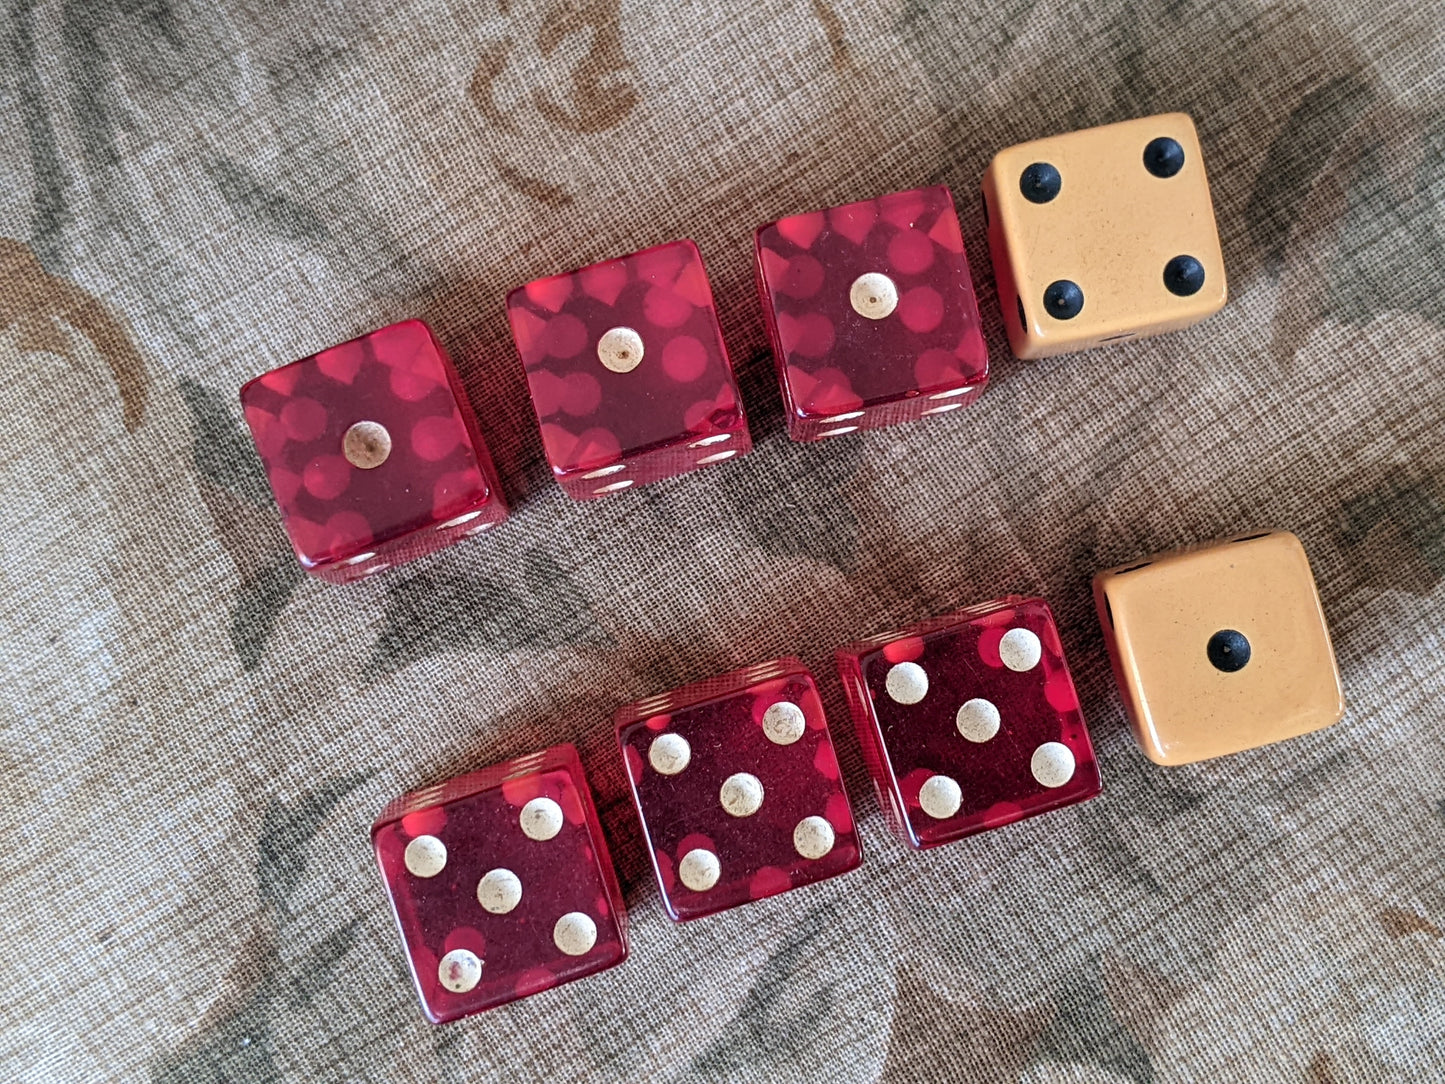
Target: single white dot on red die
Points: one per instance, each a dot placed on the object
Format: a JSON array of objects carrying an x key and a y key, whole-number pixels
[
  {"x": 784, "y": 722},
  {"x": 459, "y": 971},
  {"x": 1020, "y": 650},
  {"x": 425, "y": 856},
  {"x": 906, "y": 683},
  {"x": 499, "y": 891},
  {"x": 575, "y": 933},
  {"x": 742, "y": 794},
  {"x": 813, "y": 837},
  {"x": 873, "y": 295},
  {"x": 940, "y": 797},
  {"x": 620, "y": 349},
  {"x": 541, "y": 819},
  {"x": 977, "y": 720},
  {"x": 366, "y": 445},
  {"x": 1052, "y": 764},
  {"x": 699, "y": 869},
  {"x": 669, "y": 753}
]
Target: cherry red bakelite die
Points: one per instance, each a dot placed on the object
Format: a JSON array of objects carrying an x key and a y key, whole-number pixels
[
  {"x": 628, "y": 372},
  {"x": 871, "y": 312},
  {"x": 969, "y": 721},
  {"x": 738, "y": 789},
  {"x": 373, "y": 453},
  {"x": 501, "y": 884}
]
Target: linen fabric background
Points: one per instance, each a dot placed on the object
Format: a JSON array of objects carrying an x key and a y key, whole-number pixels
[{"x": 196, "y": 737}]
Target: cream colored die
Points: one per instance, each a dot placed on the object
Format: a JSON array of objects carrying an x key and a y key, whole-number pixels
[
  {"x": 1220, "y": 648},
  {"x": 1103, "y": 235}
]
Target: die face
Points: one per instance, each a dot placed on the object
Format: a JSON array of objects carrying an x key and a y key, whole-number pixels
[
  {"x": 871, "y": 311},
  {"x": 1103, "y": 235},
  {"x": 372, "y": 452},
  {"x": 737, "y": 786},
  {"x": 1220, "y": 648},
  {"x": 501, "y": 884},
  {"x": 627, "y": 370},
  {"x": 970, "y": 721}
]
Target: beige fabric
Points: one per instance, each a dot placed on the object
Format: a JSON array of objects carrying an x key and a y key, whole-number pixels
[{"x": 195, "y": 741}]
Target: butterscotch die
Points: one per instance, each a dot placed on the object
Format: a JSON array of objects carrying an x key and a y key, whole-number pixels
[
  {"x": 1103, "y": 235},
  {"x": 1220, "y": 648}
]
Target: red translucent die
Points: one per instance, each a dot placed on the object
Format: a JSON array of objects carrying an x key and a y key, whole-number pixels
[
  {"x": 871, "y": 313},
  {"x": 628, "y": 372},
  {"x": 738, "y": 789},
  {"x": 501, "y": 884},
  {"x": 969, "y": 721},
  {"x": 373, "y": 453}
]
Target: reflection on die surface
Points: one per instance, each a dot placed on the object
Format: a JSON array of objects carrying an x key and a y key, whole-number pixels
[
  {"x": 1103, "y": 235},
  {"x": 373, "y": 453},
  {"x": 871, "y": 311},
  {"x": 738, "y": 789},
  {"x": 627, "y": 371},
  {"x": 1220, "y": 648},
  {"x": 501, "y": 884},
  {"x": 969, "y": 721}
]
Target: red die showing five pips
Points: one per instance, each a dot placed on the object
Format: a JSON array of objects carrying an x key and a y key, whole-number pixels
[
  {"x": 627, "y": 371},
  {"x": 501, "y": 884},
  {"x": 373, "y": 453},
  {"x": 871, "y": 312},
  {"x": 738, "y": 789},
  {"x": 969, "y": 721}
]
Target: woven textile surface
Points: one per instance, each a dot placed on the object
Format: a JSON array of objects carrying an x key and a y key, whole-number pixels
[{"x": 196, "y": 738}]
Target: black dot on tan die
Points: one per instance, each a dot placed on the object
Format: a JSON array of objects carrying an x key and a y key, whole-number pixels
[
  {"x": 1228, "y": 650},
  {"x": 1040, "y": 182},
  {"x": 1163, "y": 157},
  {"x": 1184, "y": 276},
  {"x": 1063, "y": 300}
]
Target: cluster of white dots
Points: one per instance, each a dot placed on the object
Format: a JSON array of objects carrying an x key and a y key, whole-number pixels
[
  {"x": 978, "y": 720},
  {"x": 741, "y": 795},
  {"x": 499, "y": 892}
]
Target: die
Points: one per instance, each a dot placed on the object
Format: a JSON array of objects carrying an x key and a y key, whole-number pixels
[
  {"x": 969, "y": 721},
  {"x": 628, "y": 372},
  {"x": 373, "y": 453},
  {"x": 871, "y": 313},
  {"x": 501, "y": 884},
  {"x": 1103, "y": 235},
  {"x": 737, "y": 787},
  {"x": 1220, "y": 648}
]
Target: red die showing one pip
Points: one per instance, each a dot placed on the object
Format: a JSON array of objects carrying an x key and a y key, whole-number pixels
[
  {"x": 501, "y": 884},
  {"x": 871, "y": 313},
  {"x": 628, "y": 372},
  {"x": 738, "y": 789},
  {"x": 373, "y": 453},
  {"x": 969, "y": 721}
]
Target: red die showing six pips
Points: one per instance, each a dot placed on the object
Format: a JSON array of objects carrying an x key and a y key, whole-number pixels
[
  {"x": 969, "y": 721},
  {"x": 501, "y": 884},
  {"x": 627, "y": 371},
  {"x": 373, "y": 453},
  {"x": 738, "y": 789},
  {"x": 871, "y": 312}
]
